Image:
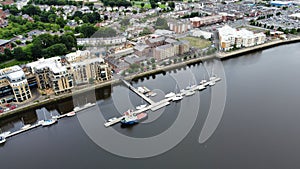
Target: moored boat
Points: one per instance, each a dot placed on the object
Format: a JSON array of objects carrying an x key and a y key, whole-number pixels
[
  {"x": 141, "y": 116},
  {"x": 70, "y": 114},
  {"x": 76, "y": 109},
  {"x": 2, "y": 139},
  {"x": 203, "y": 81},
  {"x": 211, "y": 83},
  {"x": 190, "y": 93},
  {"x": 201, "y": 87},
  {"x": 25, "y": 127},
  {"x": 49, "y": 122},
  {"x": 171, "y": 94},
  {"x": 141, "y": 106},
  {"x": 177, "y": 97}
]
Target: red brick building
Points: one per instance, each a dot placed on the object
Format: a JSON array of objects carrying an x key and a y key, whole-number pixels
[{"x": 4, "y": 44}]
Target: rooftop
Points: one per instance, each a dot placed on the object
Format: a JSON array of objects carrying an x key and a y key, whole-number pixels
[{"x": 3, "y": 41}]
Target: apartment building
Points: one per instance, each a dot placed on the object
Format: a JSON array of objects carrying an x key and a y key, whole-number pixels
[
  {"x": 101, "y": 41},
  {"x": 13, "y": 85},
  {"x": 179, "y": 26},
  {"x": 231, "y": 38},
  {"x": 90, "y": 69},
  {"x": 172, "y": 48},
  {"x": 208, "y": 20},
  {"x": 53, "y": 74}
]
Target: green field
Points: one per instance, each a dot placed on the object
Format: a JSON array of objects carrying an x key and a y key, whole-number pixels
[
  {"x": 147, "y": 4},
  {"x": 197, "y": 42},
  {"x": 138, "y": 4},
  {"x": 253, "y": 29}
]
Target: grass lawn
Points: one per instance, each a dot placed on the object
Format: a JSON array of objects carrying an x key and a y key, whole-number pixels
[
  {"x": 11, "y": 63},
  {"x": 197, "y": 42},
  {"x": 138, "y": 4},
  {"x": 253, "y": 29},
  {"x": 147, "y": 4}
]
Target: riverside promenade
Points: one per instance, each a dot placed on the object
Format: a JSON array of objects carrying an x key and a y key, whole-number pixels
[{"x": 221, "y": 56}]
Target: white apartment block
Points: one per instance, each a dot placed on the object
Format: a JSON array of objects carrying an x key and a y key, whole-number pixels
[{"x": 232, "y": 38}]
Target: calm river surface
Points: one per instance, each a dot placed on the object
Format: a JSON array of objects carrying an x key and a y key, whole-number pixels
[{"x": 260, "y": 126}]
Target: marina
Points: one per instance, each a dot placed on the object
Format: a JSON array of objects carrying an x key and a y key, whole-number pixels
[
  {"x": 43, "y": 123},
  {"x": 153, "y": 106}
]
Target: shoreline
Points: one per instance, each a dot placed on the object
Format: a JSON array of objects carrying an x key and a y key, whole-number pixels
[
  {"x": 221, "y": 56},
  {"x": 236, "y": 53}
]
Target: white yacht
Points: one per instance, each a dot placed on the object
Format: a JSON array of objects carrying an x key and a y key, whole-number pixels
[
  {"x": 201, "y": 87},
  {"x": 141, "y": 106},
  {"x": 76, "y": 109},
  {"x": 203, "y": 81},
  {"x": 25, "y": 127},
  {"x": 211, "y": 83},
  {"x": 171, "y": 94},
  {"x": 177, "y": 97},
  {"x": 190, "y": 93}
]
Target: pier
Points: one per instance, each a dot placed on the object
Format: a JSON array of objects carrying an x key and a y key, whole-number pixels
[
  {"x": 138, "y": 92},
  {"x": 153, "y": 106}
]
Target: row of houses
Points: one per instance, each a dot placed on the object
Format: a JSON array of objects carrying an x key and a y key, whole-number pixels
[
  {"x": 232, "y": 38},
  {"x": 56, "y": 74}
]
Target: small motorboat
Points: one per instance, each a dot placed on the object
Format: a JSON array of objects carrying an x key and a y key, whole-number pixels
[
  {"x": 5, "y": 134},
  {"x": 211, "y": 83},
  {"x": 203, "y": 81},
  {"x": 177, "y": 97},
  {"x": 190, "y": 93},
  {"x": 141, "y": 106},
  {"x": 55, "y": 117},
  {"x": 25, "y": 127},
  {"x": 171, "y": 94},
  {"x": 201, "y": 87},
  {"x": 112, "y": 119},
  {"x": 70, "y": 114},
  {"x": 2, "y": 139},
  {"x": 49, "y": 122}
]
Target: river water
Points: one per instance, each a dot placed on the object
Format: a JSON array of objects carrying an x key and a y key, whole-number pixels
[{"x": 259, "y": 127}]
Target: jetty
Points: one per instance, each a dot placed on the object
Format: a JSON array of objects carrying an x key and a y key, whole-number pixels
[{"x": 153, "y": 106}]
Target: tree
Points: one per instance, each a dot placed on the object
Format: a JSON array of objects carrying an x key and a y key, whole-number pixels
[
  {"x": 153, "y": 4},
  {"x": 14, "y": 10},
  {"x": 61, "y": 22},
  {"x": 152, "y": 60},
  {"x": 19, "y": 54},
  {"x": 105, "y": 32},
  {"x": 78, "y": 14},
  {"x": 153, "y": 66},
  {"x": 31, "y": 10},
  {"x": 172, "y": 5},
  {"x": 55, "y": 50},
  {"x": 85, "y": 19},
  {"x": 86, "y": 29},
  {"x": 146, "y": 31},
  {"x": 52, "y": 18},
  {"x": 161, "y": 23}
]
